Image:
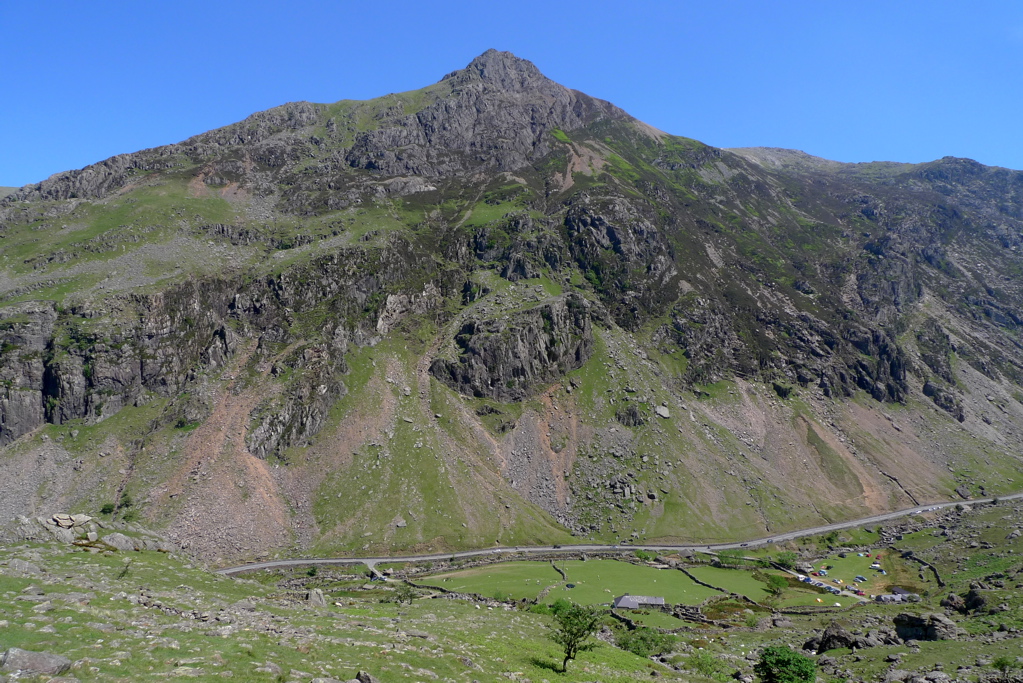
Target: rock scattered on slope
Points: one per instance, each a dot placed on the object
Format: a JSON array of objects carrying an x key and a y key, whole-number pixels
[{"x": 25, "y": 662}]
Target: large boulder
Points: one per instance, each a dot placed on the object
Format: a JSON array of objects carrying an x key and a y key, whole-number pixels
[
  {"x": 925, "y": 627},
  {"x": 24, "y": 568},
  {"x": 835, "y": 636},
  {"x": 975, "y": 600},
  {"x": 315, "y": 597},
  {"x": 120, "y": 541},
  {"x": 22, "y": 662},
  {"x": 954, "y": 601}
]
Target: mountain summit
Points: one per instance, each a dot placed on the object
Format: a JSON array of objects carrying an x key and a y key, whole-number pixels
[{"x": 499, "y": 310}]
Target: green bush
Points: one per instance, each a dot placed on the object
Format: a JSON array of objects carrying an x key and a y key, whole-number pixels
[
  {"x": 706, "y": 664},
  {"x": 780, "y": 664},
  {"x": 645, "y": 641}
]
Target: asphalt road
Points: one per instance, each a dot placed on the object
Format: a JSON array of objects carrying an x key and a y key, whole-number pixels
[{"x": 371, "y": 562}]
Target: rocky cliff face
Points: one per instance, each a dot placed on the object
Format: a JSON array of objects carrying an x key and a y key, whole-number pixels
[
  {"x": 497, "y": 308},
  {"x": 513, "y": 357}
]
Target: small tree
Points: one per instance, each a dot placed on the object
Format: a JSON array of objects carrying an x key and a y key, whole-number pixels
[
  {"x": 780, "y": 664},
  {"x": 572, "y": 628},
  {"x": 786, "y": 558},
  {"x": 731, "y": 557},
  {"x": 403, "y": 592},
  {"x": 776, "y": 585},
  {"x": 1004, "y": 664}
]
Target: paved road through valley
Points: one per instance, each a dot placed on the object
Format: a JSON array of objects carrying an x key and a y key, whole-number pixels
[{"x": 371, "y": 562}]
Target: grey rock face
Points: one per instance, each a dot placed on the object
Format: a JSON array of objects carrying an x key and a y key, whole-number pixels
[
  {"x": 16, "y": 660},
  {"x": 509, "y": 359}
]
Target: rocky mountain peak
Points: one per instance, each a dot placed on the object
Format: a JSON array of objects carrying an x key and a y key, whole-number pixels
[
  {"x": 501, "y": 70},
  {"x": 499, "y": 115}
]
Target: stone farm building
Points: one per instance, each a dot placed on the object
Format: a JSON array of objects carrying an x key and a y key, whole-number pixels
[{"x": 637, "y": 601}]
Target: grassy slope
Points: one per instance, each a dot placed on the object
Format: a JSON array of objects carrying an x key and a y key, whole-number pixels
[
  {"x": 114, "y": 639},
  {"x": 357, "y": 635}
]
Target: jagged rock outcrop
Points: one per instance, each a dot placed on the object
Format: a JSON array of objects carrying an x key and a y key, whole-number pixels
[
  {"x": 925, "y": 627},
  {"x": 510, "y": 358}
]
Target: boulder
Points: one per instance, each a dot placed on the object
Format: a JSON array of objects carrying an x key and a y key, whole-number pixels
[
  {"x": 364, "y": 677},
  {"x": 16, "y": 660},
  {"x": 23, "y": 567},
  {"x": 662, "y": 411},
  {"x": 62, "y": 534},
  {"x": 835, "y": 636},
  {"x": 119, "y": 541},
  {"x": 63, "y": 521},
  {"x": 315, "y": 597},
  {"x": 975, "y": 600},
  {"x": 81, "y": 520},
  {"x": 953, "y": 601},
  {"x": 925, "y": 627}
]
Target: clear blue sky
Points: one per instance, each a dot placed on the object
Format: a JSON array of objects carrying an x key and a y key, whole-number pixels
[{"x": 852, "y": 81}]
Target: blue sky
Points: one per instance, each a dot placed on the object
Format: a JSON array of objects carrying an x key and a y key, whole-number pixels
[{"x": 852, "y": 81}]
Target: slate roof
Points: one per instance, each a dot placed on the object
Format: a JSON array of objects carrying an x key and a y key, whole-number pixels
[{"x": 636, "y": 601}]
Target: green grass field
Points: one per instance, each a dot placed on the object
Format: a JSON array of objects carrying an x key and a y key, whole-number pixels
[
  {"x": 515, "y": 580},
  {"x": 601, "y": 581},
  {"x": 656, "y": 619}
]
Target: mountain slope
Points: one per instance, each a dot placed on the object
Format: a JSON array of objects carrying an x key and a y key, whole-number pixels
[{"x": 498, "y": 310}]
